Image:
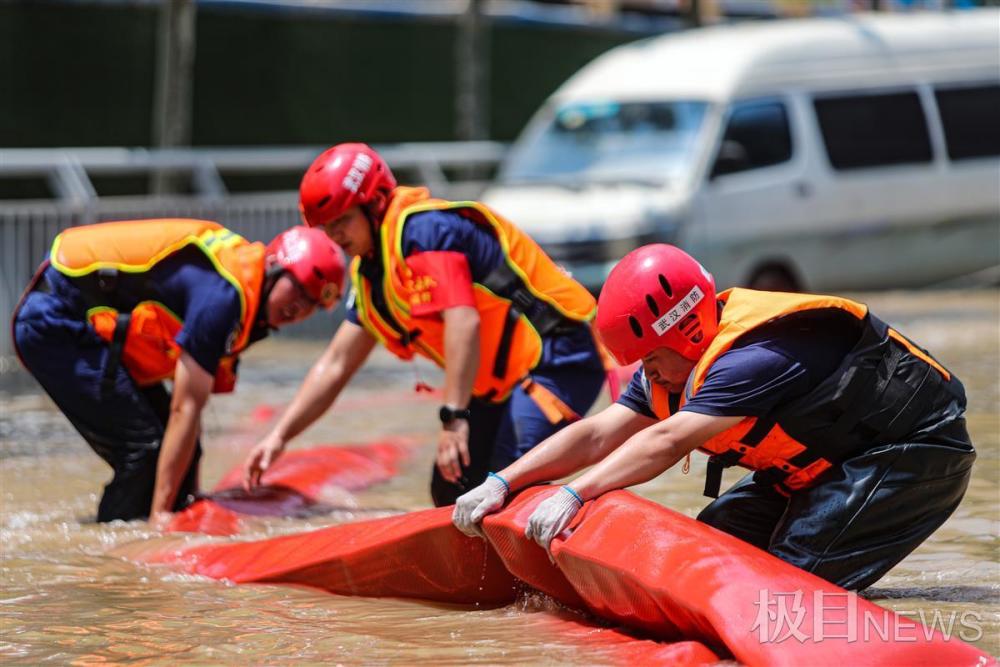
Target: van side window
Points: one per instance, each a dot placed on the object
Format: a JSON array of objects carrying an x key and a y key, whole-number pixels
[
  {"x": 757, "y": 135},
  {"x": 971, "y": 119},
  {"x": 873, "y": 130}
]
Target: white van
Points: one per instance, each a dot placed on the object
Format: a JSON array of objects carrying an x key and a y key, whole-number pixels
[{"x": 816, "y": 154}]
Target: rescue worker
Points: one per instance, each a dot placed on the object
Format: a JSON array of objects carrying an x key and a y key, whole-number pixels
[
  {"x": 855, "y": 434},
  {"x": 119, "y": 307},
  {"x": 456, "y": 283}
]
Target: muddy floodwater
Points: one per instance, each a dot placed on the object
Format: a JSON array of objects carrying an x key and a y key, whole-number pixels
[{"x": 64, "y": 600}]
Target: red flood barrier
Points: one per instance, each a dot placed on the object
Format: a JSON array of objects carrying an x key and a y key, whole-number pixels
[
  {"x": 639, "y": 563},
  {"x": 416, "y": 555},
  {"x": 295, "y": 485},
  {"x": 419, "y": 555},
  {"x": 350, "y": 467},
  {"x": 625, "y": 559},
  {"x": 525, "y": 559}
]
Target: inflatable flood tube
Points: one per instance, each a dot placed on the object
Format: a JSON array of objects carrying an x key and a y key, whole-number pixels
[
  {"x": 309, "y": 471},
  {"x": 522, "y": 557},
  {"x": 643, "y": 565},
  {"x": 293, "y": 486},
  {"x": 419, "y": 555},
  {"x": 629, "y": 561},
  {"x": 416, "y": 555},
  {"x": 532, "y": 565}
]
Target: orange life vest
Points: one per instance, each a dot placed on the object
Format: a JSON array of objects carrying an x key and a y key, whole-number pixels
[
  {"x": 518, "y": 304},
  {"x": 97, "y": 253},
  {"x": 836, "y": 416}
]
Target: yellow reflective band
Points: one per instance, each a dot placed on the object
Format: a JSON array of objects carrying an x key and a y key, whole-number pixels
[
  {"x": 96, "y": 310},
  {"x": 362, "y": 300},
  {"x": 203, "y": 241},
  {"x": 392, "y": 299},
  {"x": 501, "y": 238}
]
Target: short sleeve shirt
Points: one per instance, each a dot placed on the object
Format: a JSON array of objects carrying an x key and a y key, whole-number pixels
[
  {"x": 458, "y": 252},
  {"x": 766, "y": 368},
  {"x": 188, "y": 285},
  {"x": 210, "y": 307}
]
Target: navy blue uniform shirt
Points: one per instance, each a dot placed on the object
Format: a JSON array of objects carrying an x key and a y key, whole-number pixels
[
  {"x": 769, "y": 366},
  {"x": 190, "y": 287},
  {"x": 448, "y": 231}
]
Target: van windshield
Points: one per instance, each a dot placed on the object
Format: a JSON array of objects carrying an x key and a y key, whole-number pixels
[{"x": 647, "y": 142}]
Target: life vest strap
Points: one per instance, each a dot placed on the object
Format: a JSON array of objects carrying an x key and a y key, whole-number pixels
[
  {"x": 867, "y": 387},
  {"x": 115, "y": 349},
  {"x": 546, "y": 320},
  {"x": 804, "y": 458},
  {"x": 505, "y": 283},
  {"x": 107, "y": 280},
  {"x": 713, "y": 478},
  {"x": 554, "y": 408},
  {"x": 101, "y": 286},
  {"x": 97, "y": 287},
  {"x": 770, "y": 476},
  {"x": 713, "y": 474},
  {"x": 760, "y": 429},
  {"x": 506, "y": 339}
]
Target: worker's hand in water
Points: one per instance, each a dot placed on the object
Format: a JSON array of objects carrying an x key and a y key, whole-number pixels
[
  {"x": 160, "y": 520},
  {"x": 453, "y": 450},
  {"x": 552, "y": 516},
  {"x": 471, "y": 507},
  {"x": 260, "y": 459}
]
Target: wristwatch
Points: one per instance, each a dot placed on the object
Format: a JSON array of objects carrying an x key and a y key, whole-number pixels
[{"x": 448, "y": 414}]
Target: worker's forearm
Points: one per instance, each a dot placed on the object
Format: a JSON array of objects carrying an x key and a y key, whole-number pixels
[
  {"x": 345, "y": 354},
  {"x": 324, "y": 382},
  {"x": 643, "y": 456},
  {"x": 176, "y": 454},
  {"x": 461, "y": 343},
  {"x": 564, "y": 453}
]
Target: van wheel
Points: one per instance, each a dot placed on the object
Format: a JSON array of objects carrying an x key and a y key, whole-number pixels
[{"x": 774, "y": 278}]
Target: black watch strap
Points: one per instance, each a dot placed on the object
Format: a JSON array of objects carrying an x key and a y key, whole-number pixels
[{"x": 448, "y": 415}]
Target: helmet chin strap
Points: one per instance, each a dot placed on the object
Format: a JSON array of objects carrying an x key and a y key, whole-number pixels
[
  {"x": 374, "y": 232},
  {"x": 375, "y": 210},
  {"x": 271, "y": 276}
]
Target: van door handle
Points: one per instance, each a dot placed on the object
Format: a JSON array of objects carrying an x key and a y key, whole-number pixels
[{"x": 803, "y": 189}]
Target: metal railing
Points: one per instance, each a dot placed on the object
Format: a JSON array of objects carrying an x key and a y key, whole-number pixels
[{"x": 27, "y": 227}]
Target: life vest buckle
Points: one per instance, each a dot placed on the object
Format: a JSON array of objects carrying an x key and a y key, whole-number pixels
[
  {"x": 522, "y": 299},
  {"x": 107, "y": 280}
]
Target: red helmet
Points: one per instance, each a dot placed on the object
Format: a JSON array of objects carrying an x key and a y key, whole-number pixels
[
  {"x": 315, "y": 262},
  {"x": 341, "y": 177},
  {"x": 657, "y": 296}
]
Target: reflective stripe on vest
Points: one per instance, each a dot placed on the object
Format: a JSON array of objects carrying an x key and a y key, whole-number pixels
[
  {"x": 510, "y": 342},
  {"x": 150, "y": 352}
]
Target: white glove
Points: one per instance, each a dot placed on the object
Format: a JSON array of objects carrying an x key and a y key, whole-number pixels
[
  {"x": 552, "y": 516},
  {"x": 471, "y": 507}
]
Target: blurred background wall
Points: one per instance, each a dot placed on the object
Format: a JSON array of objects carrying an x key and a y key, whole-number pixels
[{"x": 83, "y": 72}]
